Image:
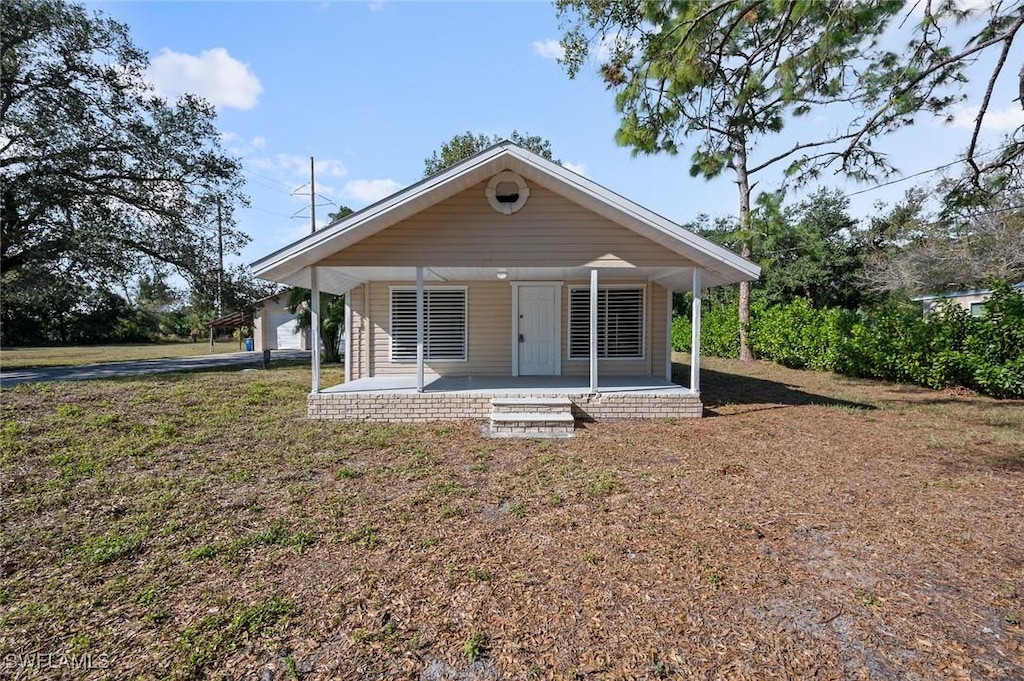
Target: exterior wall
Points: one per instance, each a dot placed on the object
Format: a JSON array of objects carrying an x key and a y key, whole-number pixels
[
  {"x": 424, "y": 407},
  {"x": 489, "y": 326},
  {"x": 489, "y": 331},
  {"x": 933, "y": 304},
  {"x": 262, "y": 328},
  {"x": 653, "y": 362},
  {"x": 464, "y": 231}
]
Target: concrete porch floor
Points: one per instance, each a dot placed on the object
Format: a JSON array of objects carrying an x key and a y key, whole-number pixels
[{"x": 509, "y": 385}]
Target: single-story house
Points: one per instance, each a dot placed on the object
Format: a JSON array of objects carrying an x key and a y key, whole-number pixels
[
  {"x": 509, "y": 287},
  {"x": 274, "y": 327},
  {"x": 972, "y": 301}
]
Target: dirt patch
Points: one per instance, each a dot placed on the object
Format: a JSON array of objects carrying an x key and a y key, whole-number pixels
[{"x": 813, "y": 527}]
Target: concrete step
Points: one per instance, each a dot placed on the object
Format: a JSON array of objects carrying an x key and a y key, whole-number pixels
[
  {"x": 531, "y": 404},
  {"x": 531, "y": 417}
]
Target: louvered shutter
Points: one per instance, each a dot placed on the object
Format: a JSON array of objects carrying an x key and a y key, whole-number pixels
[
  {"x": 444, "y": 324},
  {"x": 620, "y": 323}
]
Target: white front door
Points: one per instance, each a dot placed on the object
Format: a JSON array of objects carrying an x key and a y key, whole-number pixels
[{"x": 538, "y": 329}]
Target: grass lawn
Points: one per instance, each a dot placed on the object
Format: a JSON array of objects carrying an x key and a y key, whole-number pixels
[
  {"x": 26, "y": 358},
  {"x": 812, "y": 526}
]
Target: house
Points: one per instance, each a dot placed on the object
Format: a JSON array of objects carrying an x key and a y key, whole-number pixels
[
  {"x": 509, "y": 287},
  {"x": 274, "y": 327},
  {"x": 972, "y": 301}
]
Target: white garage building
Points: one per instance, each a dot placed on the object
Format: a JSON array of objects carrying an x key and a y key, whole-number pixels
[{"x": 275, "y": 328}]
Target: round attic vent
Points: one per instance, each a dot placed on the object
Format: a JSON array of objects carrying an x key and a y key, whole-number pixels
[{"x": 507, "y": 192}]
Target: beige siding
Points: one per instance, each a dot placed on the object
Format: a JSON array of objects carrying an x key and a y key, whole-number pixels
[
  {"x": 359, "y": 333},
  {"x": 464, "y": 231},
  {"x": 653, "y": 363},
  {"x": 490, "y": 334},
  {"x": 489, "y": 320}
]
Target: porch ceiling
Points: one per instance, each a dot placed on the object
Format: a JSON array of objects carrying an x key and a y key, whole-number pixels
[{"x": 340, "y": 280}]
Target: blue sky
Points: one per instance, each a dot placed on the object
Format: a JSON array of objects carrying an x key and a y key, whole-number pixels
[{"x": 370, "y": 89}]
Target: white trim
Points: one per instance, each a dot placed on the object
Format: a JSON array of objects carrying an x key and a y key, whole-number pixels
[
  {"x": 557, "y": 286},
  {"x": 593, "y": 328},
  {"x": 419, "y": 328},
  {"x": 426, "y": 288},
  {"x": 695, "y": 333},
  {"x": 314, "y": 325},
  {"x": 289, "y": 262},
  {"x": 492, "y": 193},
  {"x": 348, "y": 337},
  {"x": 668, "y": 334},
  {"x": 643, "y": 326}
]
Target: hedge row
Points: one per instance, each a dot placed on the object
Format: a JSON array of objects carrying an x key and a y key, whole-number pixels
[{"x": 892, "y": 342}]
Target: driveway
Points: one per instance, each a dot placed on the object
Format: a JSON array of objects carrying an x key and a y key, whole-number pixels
[{"x": 139, "y": 367}]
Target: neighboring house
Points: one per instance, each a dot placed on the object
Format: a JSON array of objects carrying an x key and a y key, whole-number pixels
[
  {"x": 275, "y": 328},
  {"x": 471, "y": 292},
  {"x": 973, "y": 301}
]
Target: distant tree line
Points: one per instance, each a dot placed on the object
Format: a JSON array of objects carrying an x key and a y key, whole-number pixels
[{"x": 834, "y": 292}]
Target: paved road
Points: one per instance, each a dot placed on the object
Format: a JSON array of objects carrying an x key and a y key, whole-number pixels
[{"x": 88, "y": 372}]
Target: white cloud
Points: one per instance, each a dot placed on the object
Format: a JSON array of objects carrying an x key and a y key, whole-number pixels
[
  {"x": 376, "y": 6},
  {"x": 368, "y": 191},
  {"x": 548, "y": 49},
  {"x": 239, "y": 146},
  {"x": 214, "y": 75},
  {"x": 579, "y": 168},
  {"x": 917, "y": 7},
  {"x": 1008, "y": 118},
  {"x": 296, "y": 166}
]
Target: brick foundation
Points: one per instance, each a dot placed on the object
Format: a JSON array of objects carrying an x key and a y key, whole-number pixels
[{"x": 422, "y": 407}]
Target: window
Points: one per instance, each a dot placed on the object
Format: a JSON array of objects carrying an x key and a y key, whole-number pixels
[
  {"x": 620, "y": 323},
  {"x": 978, "y": 309},
  {"x": 444, "y": 324}
]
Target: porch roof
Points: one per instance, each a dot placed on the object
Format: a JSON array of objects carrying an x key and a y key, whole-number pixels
[{"x": 291, "y": 265}]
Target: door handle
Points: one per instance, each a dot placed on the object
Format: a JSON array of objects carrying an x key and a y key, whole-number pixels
[{"x": 521, "y": 339}]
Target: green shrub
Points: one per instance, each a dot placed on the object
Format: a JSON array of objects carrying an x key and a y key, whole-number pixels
[{"x": 891, "y": 341}]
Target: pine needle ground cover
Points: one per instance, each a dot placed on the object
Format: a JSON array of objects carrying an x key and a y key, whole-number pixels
[{"x": 199, "y": 526}]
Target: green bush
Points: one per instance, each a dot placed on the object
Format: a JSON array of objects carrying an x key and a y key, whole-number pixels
[{"x": 892, "y": 341}]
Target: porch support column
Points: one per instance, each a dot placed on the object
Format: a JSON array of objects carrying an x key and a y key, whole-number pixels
[
  {"x": 348, "y": 336},
  {"x": 419, "y": 329},
  {"x": 593, "y": 331},
  {"x": 668, "y": 334},
  {"x": 695, "y": 333},
  {"x": 314, "y": 325}
]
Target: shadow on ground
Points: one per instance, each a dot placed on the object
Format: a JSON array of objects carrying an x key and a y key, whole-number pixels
[{"x": 719, "y": 389}]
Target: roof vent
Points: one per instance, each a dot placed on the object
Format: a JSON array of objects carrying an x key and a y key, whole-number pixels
[{"x": 507, "y": 192}]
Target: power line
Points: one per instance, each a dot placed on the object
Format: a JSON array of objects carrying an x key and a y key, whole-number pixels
[{"x": 926, "y": 172}]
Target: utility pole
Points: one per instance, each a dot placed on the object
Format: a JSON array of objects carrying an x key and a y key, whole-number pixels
[
  {"x": 219, "y": 302},
  {"x": 312, "y": 197},
  {"x": 220, "y": 261}
]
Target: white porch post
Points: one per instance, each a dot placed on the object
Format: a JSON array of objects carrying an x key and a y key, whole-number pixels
[
  {"x": 668, "y": 334},
  {"x": 348, "y": 336},
  {"x": 593, "y": 331},
  {"x": 419, "y": 329},
  {"x": 695, "y": 334},
  {"x": 314, "y": 325}
]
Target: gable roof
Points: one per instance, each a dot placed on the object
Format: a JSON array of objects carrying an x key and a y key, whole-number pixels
[{"x": 290, "y": 264}]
